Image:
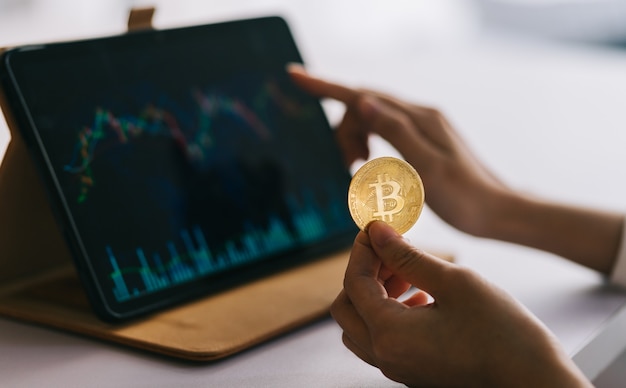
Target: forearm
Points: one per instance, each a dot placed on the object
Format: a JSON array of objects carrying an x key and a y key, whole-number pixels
[{"x": 586, "y": 236}]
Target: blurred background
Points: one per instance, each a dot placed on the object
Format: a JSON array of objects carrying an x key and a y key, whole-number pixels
[
  {"x": 589, "y": 21},
  {"x": 549, "y": 65}
]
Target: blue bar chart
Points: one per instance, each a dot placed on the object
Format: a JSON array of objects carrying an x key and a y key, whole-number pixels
[{"x": 191, "y": 257}]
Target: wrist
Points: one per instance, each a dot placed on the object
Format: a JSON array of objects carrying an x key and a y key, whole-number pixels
[
  {"x": 506, "y": 215},
  {"x": 497, "y": 215}
]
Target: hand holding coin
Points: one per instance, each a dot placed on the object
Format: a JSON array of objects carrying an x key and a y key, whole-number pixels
[{"x": 386, "y": 189}]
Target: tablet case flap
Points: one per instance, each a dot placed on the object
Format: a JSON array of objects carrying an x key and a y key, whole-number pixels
[{"x": 203, "y": 330}]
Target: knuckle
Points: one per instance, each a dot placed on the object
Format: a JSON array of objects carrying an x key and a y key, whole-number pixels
[
  {"x": 387, "y": 351},
  {"x": 461, "y": 276},
  {"x": 436, "y": 112},
  {"x": 408, "y": 257},
  {"x": 432, "y": 116},
  {"x": 433, "y": 112},
  {"x": 392, "y": 118},
  {"x": 391, "y": 374},
  {"x": 383, "y": 347},
  {"x": 349, "y": 282},
  {"x": 336, "y": 307},
  {"x": 399, "y": 122}
]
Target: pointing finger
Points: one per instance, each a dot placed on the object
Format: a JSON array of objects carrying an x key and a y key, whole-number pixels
[{"x": 322, "y": 88}]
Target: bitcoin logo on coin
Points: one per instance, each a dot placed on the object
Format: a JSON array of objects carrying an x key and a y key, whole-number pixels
[
  {"x": 382, "y": 198},
  {"x": 386, "y": 189}
]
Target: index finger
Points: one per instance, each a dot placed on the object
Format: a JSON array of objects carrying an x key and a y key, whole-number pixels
[
  {"x": 362, "y": 282},
  {"x": 321, "y": 88}
]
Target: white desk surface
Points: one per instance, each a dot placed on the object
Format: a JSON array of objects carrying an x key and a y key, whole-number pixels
[{"x": 549, "y": 119}]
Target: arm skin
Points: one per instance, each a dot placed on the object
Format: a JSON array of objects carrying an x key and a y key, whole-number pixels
[
  {"x": 474, "y": 334},
  {"x": 461, "y": 190}
]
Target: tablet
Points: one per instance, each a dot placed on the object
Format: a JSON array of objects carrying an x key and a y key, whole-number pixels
[{"x": 179, "y": 162}]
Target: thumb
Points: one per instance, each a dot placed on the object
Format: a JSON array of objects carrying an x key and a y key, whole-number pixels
[{"x": 415, "y": 266}]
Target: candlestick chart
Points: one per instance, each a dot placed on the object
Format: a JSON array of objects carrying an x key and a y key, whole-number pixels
[
  {"x": 248, "y": 183},
  {"x": 189, "y": 255},
  {"x": 109, "y": 129}
]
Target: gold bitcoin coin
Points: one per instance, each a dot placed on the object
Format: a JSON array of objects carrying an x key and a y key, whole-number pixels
[{"x": 386, "y": 189}]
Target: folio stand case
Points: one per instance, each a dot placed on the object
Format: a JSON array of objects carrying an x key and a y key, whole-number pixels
[{"x": 38, "y": 282}]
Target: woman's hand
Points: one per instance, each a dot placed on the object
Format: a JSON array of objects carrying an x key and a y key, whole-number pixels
[
  {"x": 461, "y": 190},
  {"x": 458, "y": 187},
  {"x": 473, "y": 334}
]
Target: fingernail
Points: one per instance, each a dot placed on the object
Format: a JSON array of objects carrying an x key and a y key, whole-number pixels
[
  {"x": 295, "y": 67},
  {"x": 380, "y": 233}
]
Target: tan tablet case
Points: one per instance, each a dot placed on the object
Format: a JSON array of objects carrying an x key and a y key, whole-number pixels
[{"x": 38, "y": 282}]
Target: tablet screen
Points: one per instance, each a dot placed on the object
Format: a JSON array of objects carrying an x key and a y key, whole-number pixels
[{"x": 181, "y": 161}]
